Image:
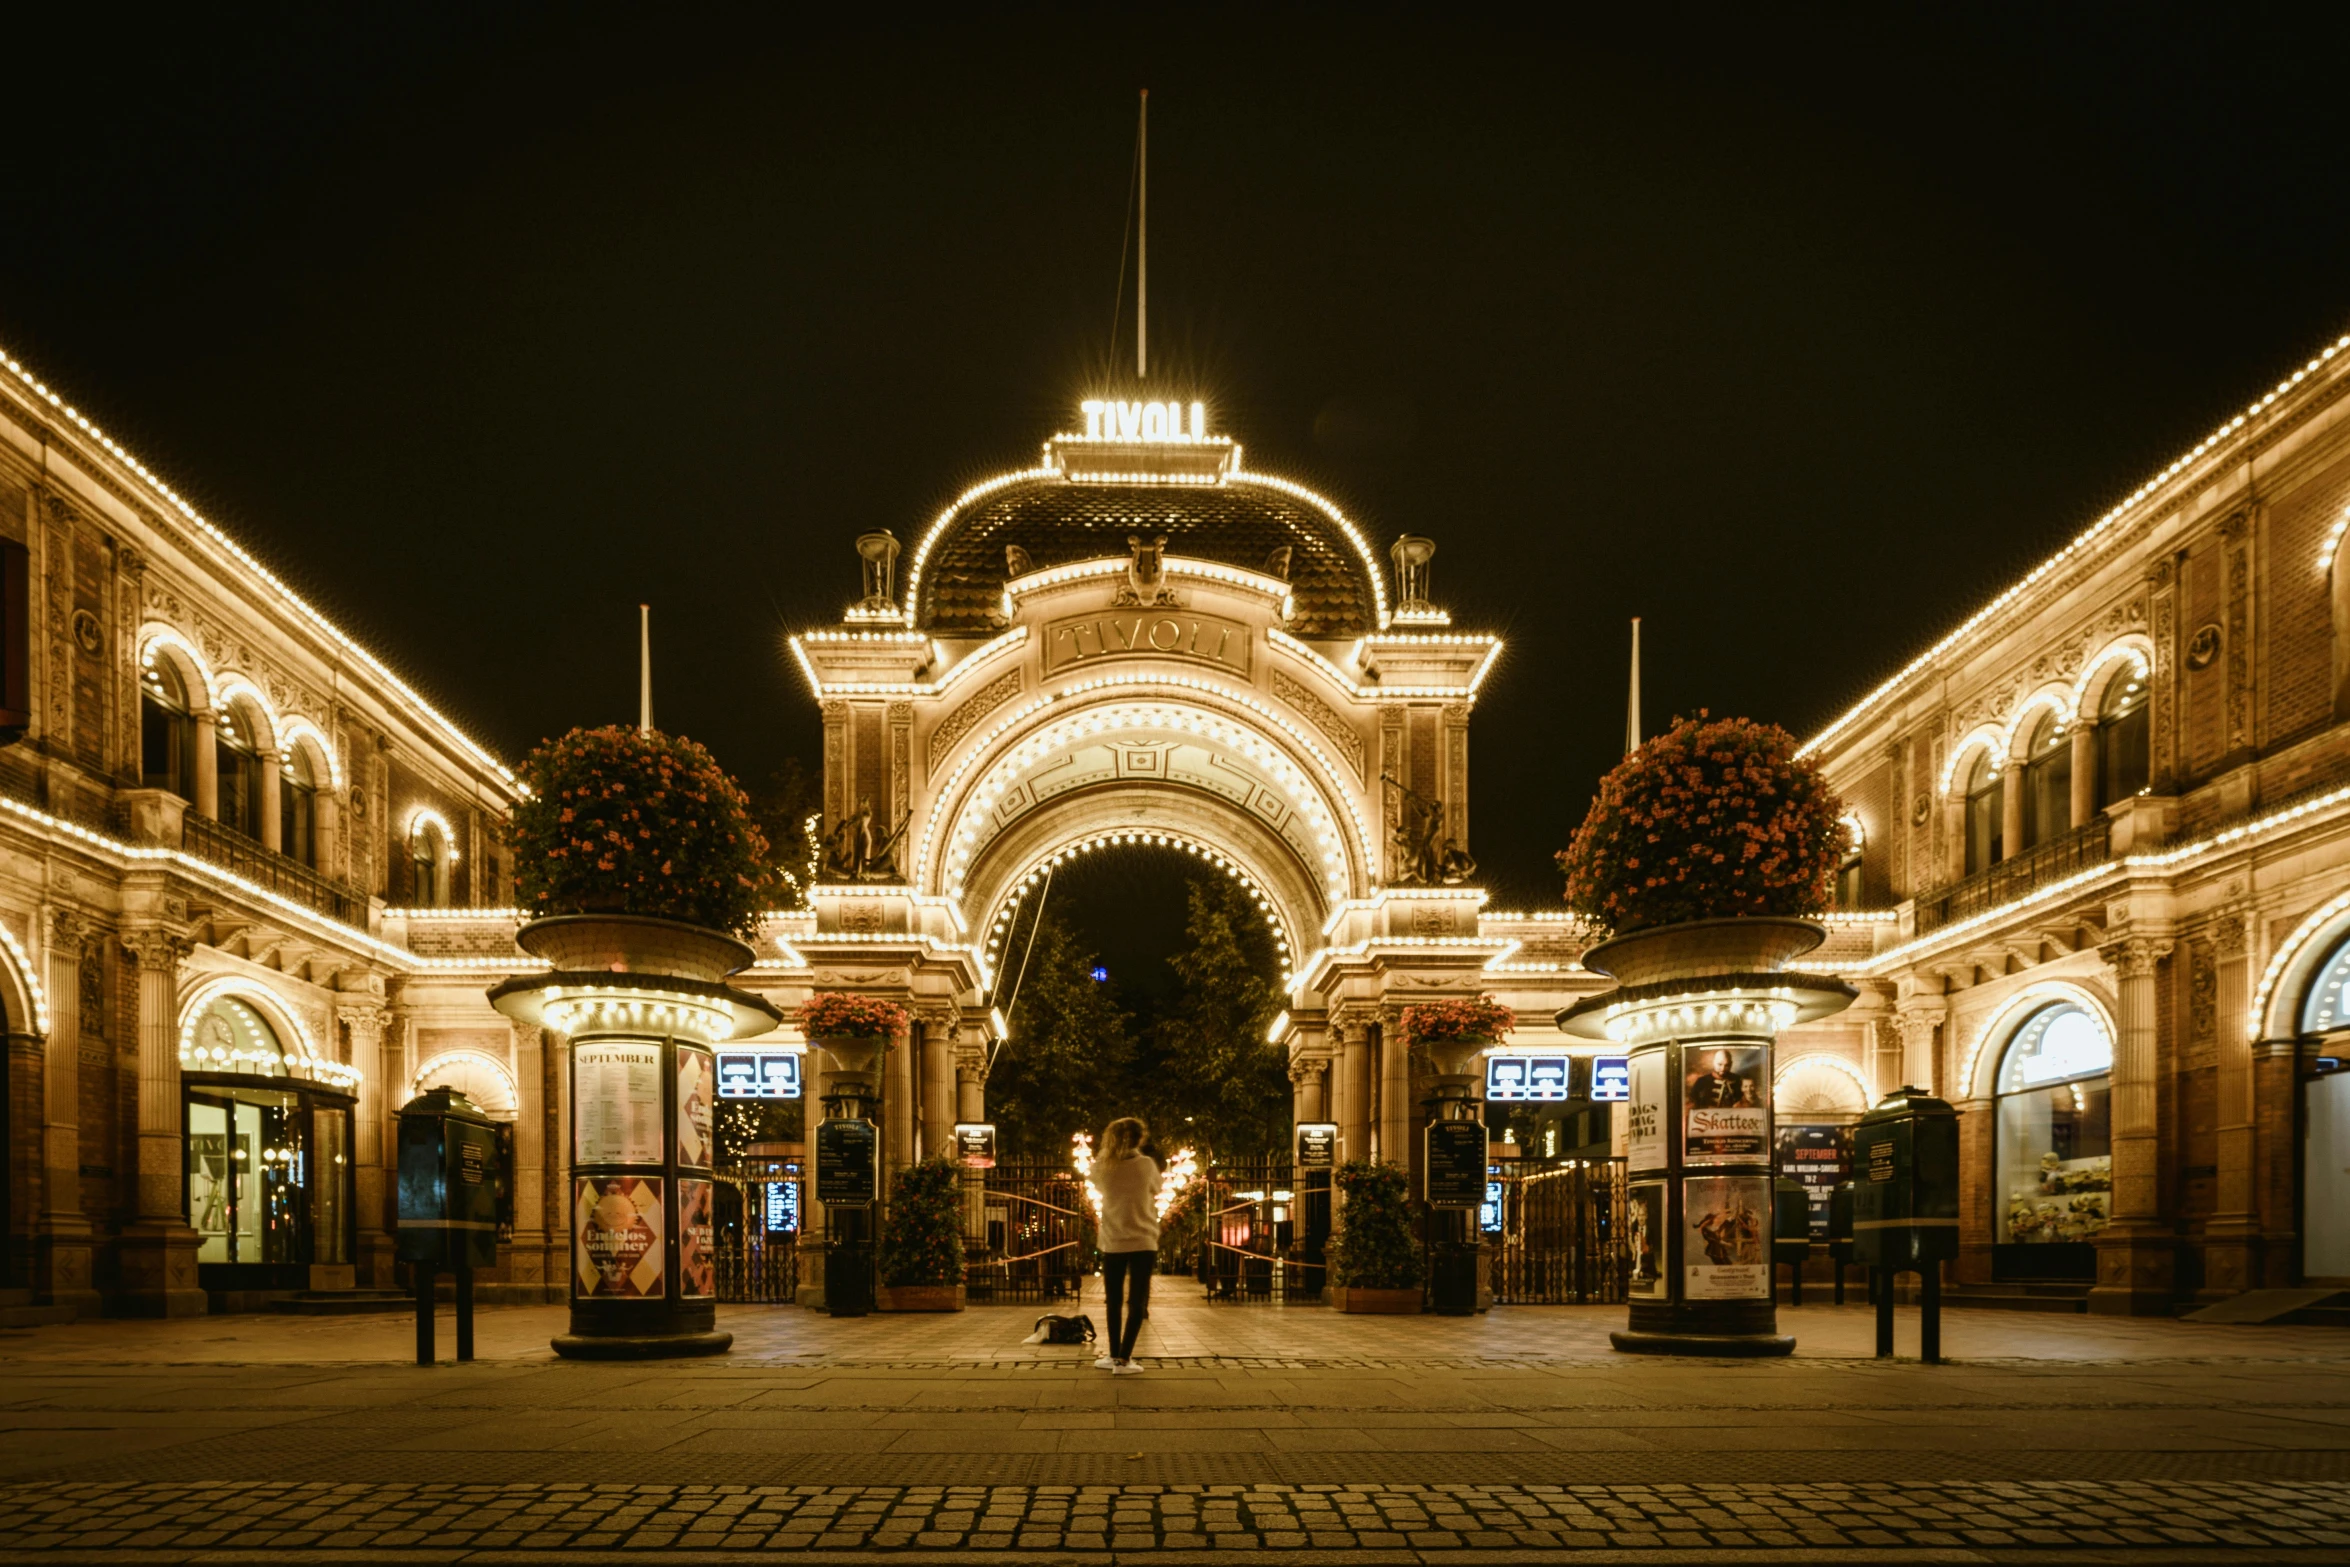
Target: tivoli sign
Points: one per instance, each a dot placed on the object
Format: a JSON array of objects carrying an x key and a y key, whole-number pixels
[{"x": 1146, "y": 633}]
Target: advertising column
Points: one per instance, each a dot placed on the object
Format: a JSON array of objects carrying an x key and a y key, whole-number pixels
[{"x": 641, "y": 1189}]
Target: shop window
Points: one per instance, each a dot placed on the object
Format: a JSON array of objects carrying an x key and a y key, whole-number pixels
[
  {"x": 1850, "y": 886},
  {"x": 2124, "y": 738},
  {"x": 297, "y": 808},
  {"x": 268, "y": 1157},
  {"x": 167, "y": 731},
  {"x": 2053, "y": 1147},
  {"x": 240, "y": 773},
  {"x": 1985, "y": 807},
  {"x": 2047, "y": 782}
]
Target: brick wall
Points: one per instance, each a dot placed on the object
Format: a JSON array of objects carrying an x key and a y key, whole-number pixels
[{"x": 2297, "y": 660}]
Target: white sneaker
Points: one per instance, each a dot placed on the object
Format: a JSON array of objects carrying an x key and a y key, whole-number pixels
[
  {"x": 1106, "y": 1363},
  {"x": 1127, "y": 1368}
]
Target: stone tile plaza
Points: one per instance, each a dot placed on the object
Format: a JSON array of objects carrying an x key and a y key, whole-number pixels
[{"x": 402, "y": 1165}]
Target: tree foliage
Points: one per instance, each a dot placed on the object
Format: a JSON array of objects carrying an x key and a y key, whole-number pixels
[
  {"x": 1070, "y": 1051},
  {"x": 1213, "y": 1064}
]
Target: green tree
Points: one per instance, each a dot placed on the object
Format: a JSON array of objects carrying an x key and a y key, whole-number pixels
[
  {"x": 1218, "y": 1084},
  {"x": 1066, "y": 1067},
  {"x": 789, "y": 808}
]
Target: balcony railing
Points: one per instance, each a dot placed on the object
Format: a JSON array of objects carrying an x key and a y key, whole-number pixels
[
  {"x": 2078, "y": 850},
  {"x": 239, "y": 855}
]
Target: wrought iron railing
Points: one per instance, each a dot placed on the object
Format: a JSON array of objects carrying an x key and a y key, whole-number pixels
[
  {"x": 239, "y": 855},
  {"x": 2081, "y": 849},
  {"x": 1562, "y": 1233},
  {"x": 1027, "y": 1237}
]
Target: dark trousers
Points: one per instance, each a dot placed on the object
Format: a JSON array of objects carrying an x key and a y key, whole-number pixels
[{"x": 1118, "y": 1269}]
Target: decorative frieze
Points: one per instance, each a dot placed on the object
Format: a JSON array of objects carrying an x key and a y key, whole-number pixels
[{"x": 1327, "y": 720}]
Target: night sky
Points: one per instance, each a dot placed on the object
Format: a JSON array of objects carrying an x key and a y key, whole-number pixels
[{"x": 1798, "y": 335}]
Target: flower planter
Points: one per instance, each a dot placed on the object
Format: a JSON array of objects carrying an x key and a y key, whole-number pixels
[
  {"x": 634, "y": 944},
  {"x": 1697, "y": 949},
  {"x": 1357, "y": 1297},
  {"x": 851, "y": 1055},
  {"x": 920, "y": 1297},
  {"x": 1456, "y": 1058}
]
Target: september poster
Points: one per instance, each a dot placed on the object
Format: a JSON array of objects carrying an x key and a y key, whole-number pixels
[
  {"x": 1725, "y": 1105},
  {"x": 1726, "y": 1237}
]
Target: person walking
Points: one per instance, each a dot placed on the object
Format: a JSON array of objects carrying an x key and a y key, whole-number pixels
[{"x": 1127, "y": 1180}]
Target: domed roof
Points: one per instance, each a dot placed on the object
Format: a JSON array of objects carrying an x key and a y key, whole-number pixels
[{"x": 1238, "y": 519}]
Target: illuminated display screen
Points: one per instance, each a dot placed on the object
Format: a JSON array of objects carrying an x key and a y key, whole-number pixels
[
  {"x": 783, "y": 1207},
  {"x": 1527, "y": 1077},
  {"x": 1611, "y": 1079},
  {"x": 1489, "y": 1211},
  {"x": 758, "y": 1074}
]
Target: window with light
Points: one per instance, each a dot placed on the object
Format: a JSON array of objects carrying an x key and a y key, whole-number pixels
[{"x": 2054, "y": 1133}]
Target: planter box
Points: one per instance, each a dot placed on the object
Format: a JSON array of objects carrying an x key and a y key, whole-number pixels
[
  {"x": 1694, "y": 949},
  {"x": 1357, "y": 1298},
  {"x": 919, "y": 1297}
]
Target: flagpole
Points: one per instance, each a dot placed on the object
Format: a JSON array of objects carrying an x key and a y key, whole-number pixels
[
  {"x": 1632, "y": 705},
  {"x": 644, "y": 694},
  {"x": 1142, "y": 245}
]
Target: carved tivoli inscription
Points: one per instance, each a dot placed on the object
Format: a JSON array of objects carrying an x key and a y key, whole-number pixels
[{"x": 1146, "y": 633}]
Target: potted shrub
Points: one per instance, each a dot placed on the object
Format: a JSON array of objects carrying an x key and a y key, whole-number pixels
[
  {"x": 1704, "y": 853},
  {"x": 1374, "y": 1258},
  {"x": 922, "y": 1239},
  {"x": 852, "y": 1031},
  {"x": 1455, "y": 1033}
]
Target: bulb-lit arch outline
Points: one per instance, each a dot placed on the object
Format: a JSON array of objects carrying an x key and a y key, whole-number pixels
[
  {"x": 2002, "y": 1024},
  {"x": 292, "y": 731},
  {"x": 1069, "y": 725},
  {"x": 282, "y": 1019},
  {"x": 1823, "y": 1058},
  {"x": 2056, "y": 698},
  {"x": 2134, "y": 646},
  {"x": 155, "y": 637},
  {"x": 986, "y": 487},
  {"x": 234, "y": 686},
  {"x": 1983, "y": 734},
  {"x": 2330, "y": 920},
  {"x": 1016, "y": 890},
  {"x": 988, "y": 753},
  {"x": 504, "y": 1073}
]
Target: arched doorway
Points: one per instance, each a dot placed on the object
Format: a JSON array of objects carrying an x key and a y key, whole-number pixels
[
  {"x": 2324, "y": 1076},
  {"x": 1816, "y": 1100}
]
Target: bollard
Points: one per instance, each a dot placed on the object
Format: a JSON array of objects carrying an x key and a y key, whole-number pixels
[
  {"x": 424, "y": 1308},
  {"x": 464, "y": 1312}
]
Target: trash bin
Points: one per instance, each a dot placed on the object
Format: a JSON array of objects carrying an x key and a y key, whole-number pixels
[
  {"x": 1905, "y": 1183},
  {"x": 1453, "y": 1279},
  {"x": 453, "y": 1186}
]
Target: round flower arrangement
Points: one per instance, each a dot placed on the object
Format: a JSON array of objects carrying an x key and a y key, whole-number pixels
[
  {"x": 623, "y": 822},
  {"x": 1713, "y": 819},
  {"x": 1472, "y": 1017},
  {"x": 832, "y": 1014}
]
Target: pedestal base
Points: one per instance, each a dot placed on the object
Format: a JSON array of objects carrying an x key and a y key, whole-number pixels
[
  {"x": 158, "y": 1264},
  {"x": 650, "y": 1346},
  {"x": 1631, "y": 1341},
  {"x": 61, "y": 1267},
  {"x": 2137, "y": 1266}
]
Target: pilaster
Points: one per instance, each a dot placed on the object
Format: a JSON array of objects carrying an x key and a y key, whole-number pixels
[
  {"x": 2231, "y": 1258},
  {"x": 158, "y": 1250},
  {"x": 364, "y": 1017},
  {"x": 61, "y": 1244},
  {"x": 2137, "y": 1253}
]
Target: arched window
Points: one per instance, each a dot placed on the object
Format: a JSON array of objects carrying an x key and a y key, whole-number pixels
[
  {"x": 1851, "y": 887},
  {"x": 236, "y": 745},
  {"x": 2047, "y": 782},
  {"x": 1985, "y": 809},
  {"x": 297, "y": 808},
  {"x": 428, "y": 864},
  {"x": 2054, "y": 1134},
  {"x": 2123, "y": 738},
  {"x": 2325, "y": 1134},
  {"x": 167, "y": 731}
]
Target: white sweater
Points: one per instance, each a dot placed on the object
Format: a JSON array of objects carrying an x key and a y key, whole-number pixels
[{"x": 1129, "y": 1189}]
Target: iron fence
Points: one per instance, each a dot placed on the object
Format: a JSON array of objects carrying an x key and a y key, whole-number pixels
[
  {"x": 1027, "y": 1234},
  {"x": 2085, "y": 846},
  {"x": 756, "y": 1241},
  {"x": 1252, "y": 1232}
]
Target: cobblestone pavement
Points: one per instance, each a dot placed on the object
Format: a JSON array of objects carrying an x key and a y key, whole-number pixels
[
  {"x": 1315, "y": 1435},
  {"x": 490, "y": 1523}
]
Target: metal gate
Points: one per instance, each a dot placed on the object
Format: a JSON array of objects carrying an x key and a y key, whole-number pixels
[
  {"x": 1028, "y": 1236},
  {"x": 1561, "y": 1233},
  {"x": 1250, "y": 1235},
  {"x": 757, "y": 1224}
]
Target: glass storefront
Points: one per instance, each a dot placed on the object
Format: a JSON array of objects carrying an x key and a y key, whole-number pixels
[
  {"x": 269, "y": 1179},
  {"x": 2053, "y": 1145},
  {"x": 2325, "y": 1122}
]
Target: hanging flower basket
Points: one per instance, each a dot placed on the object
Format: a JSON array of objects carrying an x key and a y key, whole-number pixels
[
  {"x": 852, "y": 1031},
  {"x": 1455, "y": 1033}
]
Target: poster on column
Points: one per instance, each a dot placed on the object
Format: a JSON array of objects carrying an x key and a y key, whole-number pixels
[
  {"x": 616, "y": 1237},
  {"x": 1644, "y": 1113},
  {"x": 697, "y": 1081},
  {"x": 1726, "y": 1237},
  {"x": 697, "y": 1263},
  {"x": 616, "y": 1084},
  {"x": 1725, "y": 1104},
  {"x": 1644, "y": 1210}
]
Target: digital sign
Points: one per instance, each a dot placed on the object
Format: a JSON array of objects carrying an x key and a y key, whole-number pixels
[
  {"x": 1545, "y": 1078},
  {"x": 975, "y": 1144},
  {"x": 783, "y": 1207},
  {"x": 1489, "y": 1212},
  {"x": 764, "y": 1073},
  {"x": 1317, "y": 1145},
  {"x": 1611, "y": 1079}
]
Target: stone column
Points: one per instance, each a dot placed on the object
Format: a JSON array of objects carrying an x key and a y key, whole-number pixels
[
  {"x": 939, "y": 1095},
  {"x": 2231, "y": 1258},
  {"x": 897, "y": 1102},
  {"x": 816, "y": 1082},
  {"x": 1918, "y": 1027},
  {"x": 2011, "y": 811},
  {"x": 1354, "y": 1105},
  {"x": 62, "y": 1240},
  {"x": 326, "y": 831},
  {"x": 2136, "y": 1252},
  {"x": 531, "y": 1263},
  {"x": 1395, "y": 1099},
  {"x": 158, "y": 1250},
  {"x": 2084, "y": 771},
  {"x": 272, "y": 830},
  {"x": 207, "y": 768},
  {"x": 1305, "y": 1089},
  {"x": 970, "y": 1068},
  {"x": 374, "y": 1181}
]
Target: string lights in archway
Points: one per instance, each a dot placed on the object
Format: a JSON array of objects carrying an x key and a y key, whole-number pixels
[{"x": 999, "y": 929}]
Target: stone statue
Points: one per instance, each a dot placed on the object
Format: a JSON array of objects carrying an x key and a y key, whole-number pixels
[
  {"x": 852, "y": 851},
  {"x": 1418, "y": 862},
  {"x": 1277, "y": 563},
  {"x": 1146, "y": 575},
  {"x": 1456, "y": 864},
  {"x": 1016, "y": 561}
]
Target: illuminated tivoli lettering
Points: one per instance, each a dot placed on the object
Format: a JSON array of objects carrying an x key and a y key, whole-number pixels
[{"x": 1155, "y": 423}]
